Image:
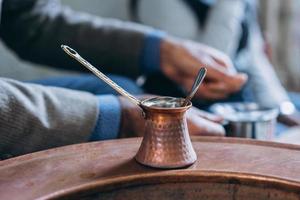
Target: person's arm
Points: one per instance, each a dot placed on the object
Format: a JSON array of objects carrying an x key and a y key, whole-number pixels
[
  {"x": 35, "y": 29},
  {"x": 266, "y": 87},
  {"x": 223, "y": 26},
  {"x": 223, "y": 31},
  {"x": 34, "y": 117}
]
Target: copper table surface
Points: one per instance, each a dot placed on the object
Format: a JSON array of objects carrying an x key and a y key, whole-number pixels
[{"x": 100, "y": 166}]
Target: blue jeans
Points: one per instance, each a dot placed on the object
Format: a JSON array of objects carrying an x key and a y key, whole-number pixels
[
  {"x": 90, "y": 83},
  {"x": 156, "y": 85}
]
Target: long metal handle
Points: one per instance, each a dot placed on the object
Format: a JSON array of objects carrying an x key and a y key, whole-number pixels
[{"x": 71, "y": 52}]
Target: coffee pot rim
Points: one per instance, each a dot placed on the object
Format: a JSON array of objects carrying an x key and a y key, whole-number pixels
[{"x": 164, "y": 109}]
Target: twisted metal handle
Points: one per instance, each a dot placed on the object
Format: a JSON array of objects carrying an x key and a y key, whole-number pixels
[{"x": 71, "y": 52}]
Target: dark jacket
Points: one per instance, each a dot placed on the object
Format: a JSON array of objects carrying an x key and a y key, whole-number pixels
[{"x": 33, "y": 117}]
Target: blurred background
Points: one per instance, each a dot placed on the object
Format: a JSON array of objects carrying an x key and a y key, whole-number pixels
[{"x": 279, "y": 21}]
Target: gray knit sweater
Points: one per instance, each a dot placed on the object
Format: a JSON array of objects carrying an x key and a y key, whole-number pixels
[{"x": 34, "y": 117}]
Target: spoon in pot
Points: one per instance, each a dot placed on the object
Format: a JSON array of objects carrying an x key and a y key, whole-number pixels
[
  {"x": 197, "y": 83},
  {"x": 71, "y": 52}
]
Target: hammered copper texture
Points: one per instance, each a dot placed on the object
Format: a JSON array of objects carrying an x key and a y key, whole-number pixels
[{"x": 166, "y": 142}]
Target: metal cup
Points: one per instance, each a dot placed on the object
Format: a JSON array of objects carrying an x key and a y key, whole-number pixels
[
  {"x": 166, "y": 142},
  {"x": 247, "y": 120}
]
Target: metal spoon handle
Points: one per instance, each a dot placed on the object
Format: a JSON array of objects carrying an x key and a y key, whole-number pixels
[
  {"x": 197, "y": 83},
  {"x": 71, "y": 52}
]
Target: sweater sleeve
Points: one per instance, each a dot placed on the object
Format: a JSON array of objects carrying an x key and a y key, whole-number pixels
[
  {"x": 223, "y": 26},
  {"x": 36, "y": 117},
  {"x": 150, "y": 54},
  {"x": 109, "y": 118}
]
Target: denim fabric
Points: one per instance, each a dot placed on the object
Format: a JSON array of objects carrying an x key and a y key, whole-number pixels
[{"x": 90, "y": 83}]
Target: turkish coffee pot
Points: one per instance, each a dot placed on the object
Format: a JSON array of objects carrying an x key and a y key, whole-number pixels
[{"x": 166, "y": 142}]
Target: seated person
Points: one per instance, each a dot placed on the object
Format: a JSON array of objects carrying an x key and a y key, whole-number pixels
[
  {"x": 35, "y": 117},
  {"x": 231, "y": 27}
]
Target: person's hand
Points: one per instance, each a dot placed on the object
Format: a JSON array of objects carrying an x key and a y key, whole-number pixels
[
  {"x": 181, "y": 61},
  {"x": 199, "y": 122},
  {"x": 290, "y": 120},
  {"x": 132, "y": 120},
  {"x": 203, "y": 123}
]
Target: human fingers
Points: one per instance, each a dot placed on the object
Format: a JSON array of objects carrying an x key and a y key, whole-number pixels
[
  {"x": 206, "y": 115},
  {"x": 132, "y": 121},
  {"x": 181, "y": 64},
  {"x": 200, "y": 126},
  {"x": 214, "y": 55},
  {"x": 237, "y": 81},
  {"x": 231, "y": 82},
  {"x": 205, "y": 93}
]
